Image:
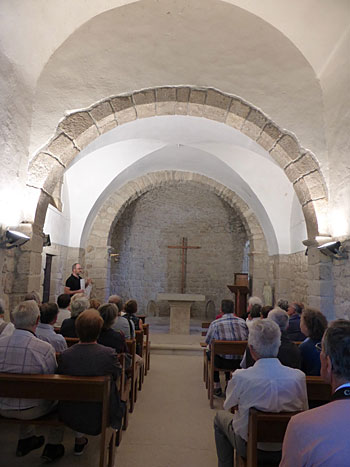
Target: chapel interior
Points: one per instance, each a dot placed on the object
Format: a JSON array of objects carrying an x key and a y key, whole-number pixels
[{"x": 129, "y": 125}]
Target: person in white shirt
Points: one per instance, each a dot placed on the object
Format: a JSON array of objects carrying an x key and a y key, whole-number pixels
[
  {"x": 6, "y": 328},
  {"x": 45, "y": 329},
  {"x": 63, "y": 302},
  {"x": 267, "y": 386}
]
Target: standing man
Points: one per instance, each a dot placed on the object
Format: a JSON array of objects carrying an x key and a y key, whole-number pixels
[
  {"x": 321, "y": 436},
  {"x": 74, "y": 281},
  {"x": 227, "y": 328}
]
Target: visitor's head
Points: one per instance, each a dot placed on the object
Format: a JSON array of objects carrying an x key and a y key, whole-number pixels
[
  {"x": 295, "y": 309},
  {"x": 253, "y": 301},
  {"x": 78, "y": 304},
  {"x": 88, "y": 325},
  {"x": 313, "y": 324},
  {"x": 227, "y": 306},
  {"x": 109, "y": 312},
  {"x": 255, "y": 311},
  {"x": 283, "y": 304},
  {"x": 264, "y": 338},
  {"x": 48, "y": 313},
  {"x": 2, "y": 308},
  {"x": 33, "y": 296},
  {"x": 77, "y": 269},
  {"x": 335, "y": 355},
  {"x": 26, "y": 315},
  {"x": 130, "y": 307},
  {"x": 94, "y": 303},
  {"x": 265, "y": 310},
  {"x": 117, "y": 301},
  {"x": 63, "y": 300},
  {"x": 280, "y": 317}
]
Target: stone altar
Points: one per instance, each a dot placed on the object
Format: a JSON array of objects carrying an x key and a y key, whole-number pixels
[{"x": 180, "y": 307}]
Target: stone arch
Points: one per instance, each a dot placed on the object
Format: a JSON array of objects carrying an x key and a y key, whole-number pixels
[
  {"x": 97, "y": 255},
  {"x": 76, "y": 130}
]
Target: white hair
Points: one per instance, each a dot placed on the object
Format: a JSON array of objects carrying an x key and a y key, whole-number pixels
[
  {"x": 255, "y": 301},
  {"x": 265, "y": 338},
  {"x": 280, "y": 317},
  {"x": 26, "y": 314},
  {"x": 78, "y": 305}
]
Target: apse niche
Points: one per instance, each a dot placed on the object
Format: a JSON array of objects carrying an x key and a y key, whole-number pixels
[{"x": 144, "y": 264}]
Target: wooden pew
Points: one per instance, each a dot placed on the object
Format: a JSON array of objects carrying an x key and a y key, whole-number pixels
[
  {"x": 318, "y": 392},
  {"x": 205, "y": 327},
  {"x": 71, "y": 341},
  {"x": 64, "y": 388},
  {"x": 139, "y": 348},
  {"x": 133, "y": 371},
  {"x": 221, "y": 348},
  {"x": 147, "y": 347}
]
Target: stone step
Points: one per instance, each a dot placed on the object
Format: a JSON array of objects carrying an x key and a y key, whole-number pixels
[{"x": 176, "y": 349}]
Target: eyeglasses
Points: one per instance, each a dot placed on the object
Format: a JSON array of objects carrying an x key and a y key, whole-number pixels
[{"x": 319, "y": 346}]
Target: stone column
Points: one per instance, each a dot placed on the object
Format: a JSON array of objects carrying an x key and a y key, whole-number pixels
[{"x": 320, "y": 282}]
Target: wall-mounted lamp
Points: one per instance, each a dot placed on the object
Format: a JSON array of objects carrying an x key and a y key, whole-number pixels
[
  {"x": 13, "y": 238},
  {"x": 334, "y": 250}
]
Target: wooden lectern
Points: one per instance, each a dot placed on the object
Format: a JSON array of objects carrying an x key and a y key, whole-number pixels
[{"x": 241, "y": 292}]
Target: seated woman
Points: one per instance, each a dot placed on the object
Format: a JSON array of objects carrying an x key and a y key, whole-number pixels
[
  {"x": 88, "y": 358},
  {"x": 108, "y": 336},
  {"x": 130, "y": 309},
  {"x": 78, "y": 304},
  {"x": 313, "y": 324}
]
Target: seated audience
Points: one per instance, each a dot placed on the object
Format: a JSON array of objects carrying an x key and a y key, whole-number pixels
[
  {"x": 121, "y": 323},
  {"x": 283, "y": 304},
  {"x": 108, "y": 336},
  {"x": 94, "y": 303},
  {"x": 130, "y": 309},
  {"x": 251, "y": 302},
  {"x": 254, "y": 314},
  {"x": 45, "y": 329},
  {"x": 33, "y": 296},
  {"x": 293, "y": 331},
  {"x": 288, "y": 353},
  {"x": 267, "y": 386},
  {"x": 24, "y": 353},
  {"x": 78, "y": 304},
  {"x": 265, "y": 311},
  {"x": 321, "y": 436},
  {"x": 227, "y": 328},
  {"x": 313, "y": 324},
  {"x": 6, "y": 328},
  {"x": 63, "y": 302},
  {"x": 88, "y": 358}
]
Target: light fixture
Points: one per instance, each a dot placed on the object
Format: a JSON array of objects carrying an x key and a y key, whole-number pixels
[
  {"x": 333, "y": 250},
  {"x": 13, "y": 238}
]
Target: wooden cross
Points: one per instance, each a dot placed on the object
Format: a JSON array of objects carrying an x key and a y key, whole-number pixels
[{"x": 184, "y": 247}]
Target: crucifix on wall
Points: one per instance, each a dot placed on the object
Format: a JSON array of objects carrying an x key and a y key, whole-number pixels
[{"x": 184, "y": 247}]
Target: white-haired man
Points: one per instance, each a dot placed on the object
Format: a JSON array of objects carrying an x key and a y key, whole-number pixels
[
  {"x": 267, "y": 386},
  {"x": 321, "y": 436},
  {"x": 23, "y": 352}
]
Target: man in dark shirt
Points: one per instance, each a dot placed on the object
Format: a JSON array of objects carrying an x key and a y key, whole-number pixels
[
  {"x": 294, "y": 333},
  {"x": 73, "y": 284}
]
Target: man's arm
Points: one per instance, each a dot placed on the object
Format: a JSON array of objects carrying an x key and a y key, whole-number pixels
[
  {"x": 68, "y": 291},
  {"x": 232, "y": 393}
]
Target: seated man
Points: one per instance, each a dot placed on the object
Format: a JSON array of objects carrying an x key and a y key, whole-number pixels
[
  {"x": 321, "y": 436},
  {"x": 24, "y": 353},
  {"x": 45, "y": 330},
  {"x": 294, "y": 312},
  {"x": 63, "y": 302},
  {"x": 88, "y": 358},
  {"x": 121, "y": 323},
  {"x": 227, "y": 328},
  {"x": 289, "y": 353},
  {"x": 267, "y": 386}
]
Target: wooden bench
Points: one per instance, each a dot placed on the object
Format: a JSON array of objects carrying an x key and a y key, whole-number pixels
[
  {"x": 205, "y": 327},
  {"x": 63, "y": 388},
  {"x": 318, "y": 392},
  {"x": 264, "y": 427},
  {"x": 147, "y": 348},
  {"x": 139, "y": 348},
  {"x": 71, "y": 341},
  {"x": 133, "y": 371},
  {"x": 221, "y": 348}
]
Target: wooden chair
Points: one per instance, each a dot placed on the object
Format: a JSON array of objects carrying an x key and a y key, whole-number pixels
[
  {"x": 146, "y": 347},
  {"x": 205, "y": 327},
  {"x": 133, "y": 371},
  {"x": 221, "y": 348},
  {"x": 63, "y": 388},
  {"x": 318, "y": 392},
  {"x": 264, "y": 427}
]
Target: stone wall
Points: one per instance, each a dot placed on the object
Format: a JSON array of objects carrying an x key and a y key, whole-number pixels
[
  {"x": 291, "y": 277},
  {"x": 160, "y": 218}
]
